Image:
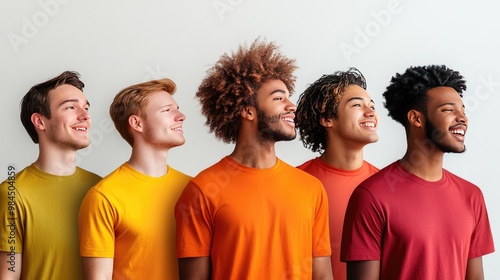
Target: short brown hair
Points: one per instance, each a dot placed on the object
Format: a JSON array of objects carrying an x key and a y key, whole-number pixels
[
  {"x": 232, "y": 82},
  {"x": 131, "y": 100},
  {"x": 37, "y": 100}
]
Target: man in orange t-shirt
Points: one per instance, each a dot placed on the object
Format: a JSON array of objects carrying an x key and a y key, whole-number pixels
[
  {"x": 337, "y": 118},
  {"x": 252, "y": 216}
]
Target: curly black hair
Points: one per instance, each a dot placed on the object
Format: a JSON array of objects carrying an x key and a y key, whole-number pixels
[
  {"x": 232, "y": 82},
  {"x": 408, "y": 91},
  {"x": 321, "y": 100}
]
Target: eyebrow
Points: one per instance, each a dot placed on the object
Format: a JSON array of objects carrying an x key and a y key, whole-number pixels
[
  {"x": 169, "y": 105},
  {"x": 359, "y": 98},
  {"x": 451, "y": 104},
  {"x": 73, "y": 101},
  {"x": 277, "y": 91}
]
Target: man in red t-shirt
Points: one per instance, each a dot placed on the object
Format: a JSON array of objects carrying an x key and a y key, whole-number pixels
[
  {"x": 413, "y": 219},
  {"x": 336, "y": 117}
]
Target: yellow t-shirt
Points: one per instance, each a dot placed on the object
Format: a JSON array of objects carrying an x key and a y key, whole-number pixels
[
  {"x": 39, "y": 213},
  {"x": 254, "y": 223},
  {"x": 129, "y": 216}
]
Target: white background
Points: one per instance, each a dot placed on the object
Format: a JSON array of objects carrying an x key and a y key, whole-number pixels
[{"x": 114, "y": 44}]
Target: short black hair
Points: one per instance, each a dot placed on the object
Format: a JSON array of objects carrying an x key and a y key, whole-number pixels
[{"x": 408, "y": 91}]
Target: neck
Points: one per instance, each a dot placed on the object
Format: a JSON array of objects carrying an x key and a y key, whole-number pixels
[
  {"x": 56, "y": 161},
  {"x": 424, "y": 161},
  {"x": 254, "y": 153},
  {"x": 149, "y": 160},
  {"x": 346, "y": 157}
]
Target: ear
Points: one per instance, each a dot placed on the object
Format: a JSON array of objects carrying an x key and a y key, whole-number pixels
[
  {"x": 135, "y": 123},
  {"x": 37, "y": 120},
  {"x": 249, "y": 113},
  {"x": 326, "y": 122},
  {"x": 415, "y": 118}
]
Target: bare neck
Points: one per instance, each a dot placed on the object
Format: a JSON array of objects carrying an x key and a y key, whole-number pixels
[
  {"x": 56, "y": 161},
  {"x": 343, "y": 156},
  {"x": 424, "y": 160},
  {"x": 149, "y": 160},
  {"x": 254, "y": 153}
]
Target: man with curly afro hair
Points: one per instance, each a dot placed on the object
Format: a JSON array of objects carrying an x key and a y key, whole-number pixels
[
  {"x": 336, "y": 117},
  {"x": 414, "y": 219},
  {"x": 251, "y": 215}
]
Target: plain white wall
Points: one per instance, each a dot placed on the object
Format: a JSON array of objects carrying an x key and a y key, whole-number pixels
[{"x": 114, "y": 44}]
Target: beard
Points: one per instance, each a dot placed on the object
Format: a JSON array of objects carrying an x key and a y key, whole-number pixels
[
  {"x": 436, "y": 136},
  {"x": 270, "y": 129}
]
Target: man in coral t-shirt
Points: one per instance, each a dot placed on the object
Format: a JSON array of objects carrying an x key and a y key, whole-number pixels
[
  {"x": 336, "y": 117},
  {"x": 251, "y": 215}
]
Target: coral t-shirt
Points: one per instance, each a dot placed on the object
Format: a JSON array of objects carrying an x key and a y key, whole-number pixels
[{"x": 339, "y": 185}]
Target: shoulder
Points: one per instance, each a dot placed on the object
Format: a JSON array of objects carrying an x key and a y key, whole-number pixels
[
  {"x": 178, "y": 174},
  {"x": 461, "y": 183},
  {"x": 88, "y": 175},
  {"x": 306, "y": 164}
]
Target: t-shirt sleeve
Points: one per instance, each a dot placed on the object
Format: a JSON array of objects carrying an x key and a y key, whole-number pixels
[
  {"x": 12, "y": 218},
  {"x": 193, "y": 224},
  {"x": 321, "y": 231},
  {"x": 96, "y": 226},
  {"x": 363, "y": 228},
  {"x": 482, "y": 239}
]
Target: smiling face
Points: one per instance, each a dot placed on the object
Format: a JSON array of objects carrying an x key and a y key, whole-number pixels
[
  {"x": 445, "y": 120},
  {"x": 163, "y": 121},
  {"x": 69, "y": 123},
  {"x": 357, "y": 119},
  {"x": 275, "y": 112}
]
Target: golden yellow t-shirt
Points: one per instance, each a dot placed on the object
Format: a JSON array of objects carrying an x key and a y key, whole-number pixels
[{"x": 129, "y": 216}]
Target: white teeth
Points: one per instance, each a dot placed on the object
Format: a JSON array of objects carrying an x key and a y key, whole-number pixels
[
  {"x": 458, "y": 131},
  {"x": 81, "y": 128},
  {"x": 290, "y": 120},
  {"x": 177, "y": 129},
  {"x": 368, "y": 124}
]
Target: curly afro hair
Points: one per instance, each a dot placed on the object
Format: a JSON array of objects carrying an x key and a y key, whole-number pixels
[
  {"x": 321, "y": 100},
  {"x": 232, "y": 82},
  {"x": 408, "y": 91}
]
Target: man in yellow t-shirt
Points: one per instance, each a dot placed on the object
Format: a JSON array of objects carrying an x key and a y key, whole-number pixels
[
  {"x": 252, "y": 216},
  {"x": 127, "y": 228},
  {"x": 39, "y": 205},
  {"x": 337, "y": 118}
]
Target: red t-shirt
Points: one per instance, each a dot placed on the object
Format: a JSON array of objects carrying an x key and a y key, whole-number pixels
[
  {"x": 417, "y": 229},
  {"x": 339, "y": 185}
]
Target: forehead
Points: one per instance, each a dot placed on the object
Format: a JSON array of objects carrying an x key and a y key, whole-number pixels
[
  {"x": 443, "y": 95},
  {"x": 159, "y": 99},
  {"x": 65, "y": 92},
  {"x": 354, "y": 91},
  {"x": 271, "y": 86}
]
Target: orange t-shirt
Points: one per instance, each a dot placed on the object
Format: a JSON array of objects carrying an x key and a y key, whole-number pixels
[
  {"x": 254, "y": 223},
  {"x": 339, "y": 185}
]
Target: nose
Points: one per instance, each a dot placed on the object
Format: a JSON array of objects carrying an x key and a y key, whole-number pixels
[
  {"x": 370, "y": 112},
  {"x": 180, "y": 116},
  {"x": 290, "y": 107},
  {"x": 84, "y": 114},
  {"x": 462, "y": 118}
]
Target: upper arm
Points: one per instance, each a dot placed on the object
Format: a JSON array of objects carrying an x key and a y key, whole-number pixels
[
  {"x": 197, "y": 268},
  {"x": 474, "y": 269},
  {"x": 10, "y": 266},
  {"x": 97, "y": 268},
  {"x": 322, "y": 268},
  {"x": 366, "y": 270}
]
